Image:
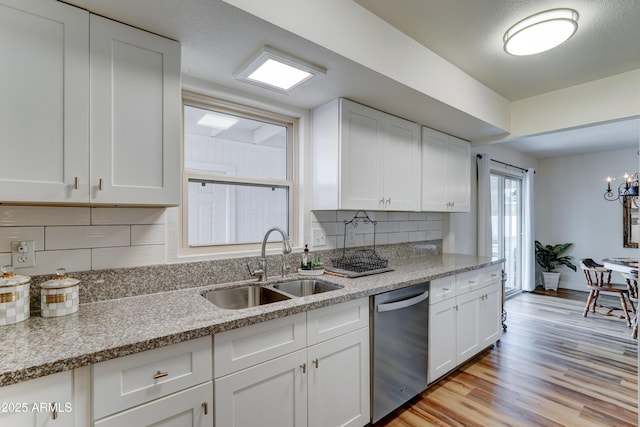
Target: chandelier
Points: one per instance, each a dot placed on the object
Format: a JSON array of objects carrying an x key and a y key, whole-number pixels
[{"x": 627, "y": 189}]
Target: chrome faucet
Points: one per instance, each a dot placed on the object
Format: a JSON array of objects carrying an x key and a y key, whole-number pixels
[{"x": 261, "y": 272}]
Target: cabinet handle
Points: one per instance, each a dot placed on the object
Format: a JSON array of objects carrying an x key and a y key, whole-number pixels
[
  {"x": 388, "y": 202},
  {"x": 381, "y": 203},
  {"x": 100, "y": 184},
  {"x": 445, "y": 289},
  {"x": 205, "y": 408},
  {"x": 304, "y": 368},
  {"x": 54, "y": 413},
  {"x": 76, "y": 183},
  {"x": 159, "y": 375},
  {"x": 315, "y": 363},
  {"x": 455, "y": 307}
]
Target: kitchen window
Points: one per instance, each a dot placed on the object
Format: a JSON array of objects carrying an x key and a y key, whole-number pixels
[{"x": 237, "y": 173}]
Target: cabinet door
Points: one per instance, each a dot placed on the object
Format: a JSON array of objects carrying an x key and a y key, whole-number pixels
[
  {"x": 44, "y": 119},
  {"x": 467, "y": 327},
  {"x": 361, "y": 162},
  {"x": 434, "y": 149},
  {"x": 192, "y": 407},
  {"x": 490, "y": 315},
  {"x": 401, "y": 156},
  {"x": 43, "y": 402},
  {"x": 271, "y": 394},
  {"x": 339, "y": 381},
  {"x": 458, "y": 178},
  {"x": 442, "y": 338},
  {"x": 135, "y": 116}
]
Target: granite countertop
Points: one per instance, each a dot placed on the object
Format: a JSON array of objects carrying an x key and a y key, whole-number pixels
[{"x": 108, "y": 329}]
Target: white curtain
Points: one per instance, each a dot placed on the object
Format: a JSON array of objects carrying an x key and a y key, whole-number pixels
[
  {"x": 484, "y": 204},
  {"x": 528, "y": 254}
]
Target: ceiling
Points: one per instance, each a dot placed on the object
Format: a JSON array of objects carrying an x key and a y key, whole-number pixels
[{"x": 217, "y": 38}]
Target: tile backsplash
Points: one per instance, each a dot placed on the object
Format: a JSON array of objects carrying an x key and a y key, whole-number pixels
[
  {"x": 390, "y": 228},
  {"x": 100, "y": 238},
  {"x": 84, "y": 238}
]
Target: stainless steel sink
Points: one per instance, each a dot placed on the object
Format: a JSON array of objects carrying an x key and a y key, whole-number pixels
[
  {"x": 304, "y": 287},
  {"x": 244, "y": 297}
]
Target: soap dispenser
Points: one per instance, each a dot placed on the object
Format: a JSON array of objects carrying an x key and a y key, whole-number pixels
[{"x": 306, "y": 258}]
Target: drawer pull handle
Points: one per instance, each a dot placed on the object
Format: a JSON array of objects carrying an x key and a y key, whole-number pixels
[
  {"x": 100, "y": 184},
  {"x": 446, "y": 289},
  {"x": 54, "y": 413},
  {"x": 76, "y": 183},
  {"x": 315, "y": 363},
  {"x": 304, "y": 368},
  {"x": 205, "y": 408},
  {"x": 159, "y": 375}
]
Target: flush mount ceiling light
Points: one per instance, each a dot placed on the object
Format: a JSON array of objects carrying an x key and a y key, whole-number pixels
[
  {"x": 277, "y": 70},
  {"x": 541, "y": 32},
  {"x": 217, "y": 121}
]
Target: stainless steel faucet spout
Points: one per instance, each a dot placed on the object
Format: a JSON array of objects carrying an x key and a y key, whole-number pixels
[{"x": 261, "y": 272}]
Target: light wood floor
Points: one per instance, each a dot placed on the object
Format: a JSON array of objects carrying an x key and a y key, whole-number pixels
[{"x": 552, "y": 367}]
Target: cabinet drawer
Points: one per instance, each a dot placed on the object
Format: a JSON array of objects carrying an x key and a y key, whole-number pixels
[
  {"x": 240, "y": 348},
  {"x": 192, "y": 407},
  {"x": 129, "y": 381},
  {"x": 335, "y": 320},
  {"x": 442, "y": 289},
  {"x": 467, "y": 281},
  {"x": 491, "y": 275}
]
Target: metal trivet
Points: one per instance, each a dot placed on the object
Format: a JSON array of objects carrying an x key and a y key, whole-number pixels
[{"x": 360, "y": 260}]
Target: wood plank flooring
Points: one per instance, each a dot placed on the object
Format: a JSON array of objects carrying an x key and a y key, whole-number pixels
[{"x": 553, "y": 367}]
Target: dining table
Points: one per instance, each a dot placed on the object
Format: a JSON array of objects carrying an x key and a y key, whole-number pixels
[{"x": 628, "y": 267}]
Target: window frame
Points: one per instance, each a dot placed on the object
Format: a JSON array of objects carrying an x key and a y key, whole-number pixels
[{"x": 198, "y": 100}]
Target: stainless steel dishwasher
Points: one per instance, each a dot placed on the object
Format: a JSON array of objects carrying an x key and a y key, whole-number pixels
[{"x": 399, "y": 343}]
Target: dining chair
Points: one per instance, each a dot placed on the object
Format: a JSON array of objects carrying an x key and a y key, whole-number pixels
[
  {"x": 599, "y": 281},
  {"x": 632, "y": 284}
]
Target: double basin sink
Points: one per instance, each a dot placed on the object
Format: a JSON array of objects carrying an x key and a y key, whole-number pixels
[{"x": 255, "y": 295}]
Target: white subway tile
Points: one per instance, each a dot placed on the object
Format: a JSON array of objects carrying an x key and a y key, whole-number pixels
[
  {"x": 418, "y": 216},
  {"x": 15, "y": 216},
  {"x": 87, "y": 237},
  {"x": 125, "y": 216},
  {"x": 418, "y": 236},
  {"x": 345, "y": 215},
  {"x": 362, "y": 228},
  {"x": 398, "y": 237},
  {"x": 377, "y": 215},
  {"x": 9, "y": 234},
  {"x": 324, "y": 216},
  {"x": 434, "y": 225},
  {"x": 147, "y": 235},
  {"x": 131, "y": 256},
  {"x": 434, "y": 216},
  {"x": 332, "y": 228},
  {"x": 423, "y": 225},
  {"x": 434, "y": 234},
  {"x": 355, "y": 240},
  {"x": 331, "y": 243},
  {"x": 47, "y": 262},
  {"x": 397, "y": 216},
  {"x": 5, "y": 259},
  {"x": 381, "y": 239},
  {"x": 387, "y": 227},
  {"x": 408, "y": 226}
]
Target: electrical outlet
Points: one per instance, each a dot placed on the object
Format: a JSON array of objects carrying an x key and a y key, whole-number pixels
[
  {"x": 23, "y": 254},
  {"x": 319, "y": 237}
]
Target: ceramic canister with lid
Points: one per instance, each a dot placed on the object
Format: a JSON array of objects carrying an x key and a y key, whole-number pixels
[
  {"x": 59, "y": 296},
  {"x": 14, "y": 297}
]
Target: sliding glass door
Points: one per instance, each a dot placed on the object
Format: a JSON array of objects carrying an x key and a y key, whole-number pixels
[{"x": 506, "y": 226}]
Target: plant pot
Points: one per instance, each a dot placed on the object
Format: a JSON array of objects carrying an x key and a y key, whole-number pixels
[{"x": 551, "y": 280}]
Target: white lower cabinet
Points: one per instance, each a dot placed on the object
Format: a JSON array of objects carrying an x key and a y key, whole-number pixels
[
  {"x": 167, "y": 386},
  {"x": 465, "y": 322},
  {"x": 325, "y": 384},
  {"x": 42, "y": 402}
]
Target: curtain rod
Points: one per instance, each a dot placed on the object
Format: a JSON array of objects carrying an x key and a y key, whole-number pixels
[{"x": 479, "y": 156}]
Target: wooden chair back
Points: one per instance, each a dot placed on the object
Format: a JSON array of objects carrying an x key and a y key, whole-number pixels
[{"x": 597, "y": 276}]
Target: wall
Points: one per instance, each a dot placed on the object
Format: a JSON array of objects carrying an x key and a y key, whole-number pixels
[{"x": 570, "y": 207}]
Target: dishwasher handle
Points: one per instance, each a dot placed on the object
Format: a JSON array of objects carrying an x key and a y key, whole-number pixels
[{"x": 398, "y": 305}]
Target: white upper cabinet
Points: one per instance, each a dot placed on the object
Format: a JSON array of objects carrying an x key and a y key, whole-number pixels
[
  {"x": 446, "y": 172},
  {"x": 90, "y": 112},
  {"x": 135, "y": 116},
  {"x": 44, "y": 107},
  {"x": 364, "y": 159}
]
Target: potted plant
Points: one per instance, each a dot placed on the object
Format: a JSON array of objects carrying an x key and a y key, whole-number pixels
[{"x": 548, "y": 257}]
